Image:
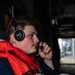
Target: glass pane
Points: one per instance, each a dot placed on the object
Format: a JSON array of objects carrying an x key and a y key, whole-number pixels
[{"x": 67, "y": 50}]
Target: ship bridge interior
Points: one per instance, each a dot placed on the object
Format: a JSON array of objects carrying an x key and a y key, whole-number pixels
[{"x": 57, "y": 19}]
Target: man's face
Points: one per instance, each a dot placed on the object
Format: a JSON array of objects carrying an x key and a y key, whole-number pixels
[{"x": 29, "y": 43}]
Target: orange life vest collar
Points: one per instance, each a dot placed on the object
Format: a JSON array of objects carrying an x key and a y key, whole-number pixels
[{"x": 17, "y": 58}]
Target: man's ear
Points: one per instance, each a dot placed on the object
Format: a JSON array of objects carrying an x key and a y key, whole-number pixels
[{"x": 12, "y": 38}]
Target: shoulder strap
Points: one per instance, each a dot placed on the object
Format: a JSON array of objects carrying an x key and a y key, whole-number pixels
[{"x": 31, "y": 72}]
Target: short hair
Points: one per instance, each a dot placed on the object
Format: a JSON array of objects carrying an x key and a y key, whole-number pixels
[{"x": 20, "y": 23}]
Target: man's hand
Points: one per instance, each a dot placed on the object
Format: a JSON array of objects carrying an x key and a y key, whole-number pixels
[{"x": 46, "y": 52}]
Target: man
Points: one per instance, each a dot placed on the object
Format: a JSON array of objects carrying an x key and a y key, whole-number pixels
[{"x": 17, "y": 53}]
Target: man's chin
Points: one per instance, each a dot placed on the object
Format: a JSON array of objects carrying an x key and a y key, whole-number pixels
[{"x": 34, "y": 51}]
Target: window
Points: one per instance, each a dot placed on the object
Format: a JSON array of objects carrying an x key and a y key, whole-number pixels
[{"x": 67, "y": 50}]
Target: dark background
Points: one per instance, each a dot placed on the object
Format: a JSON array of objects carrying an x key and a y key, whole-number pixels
[{"x": 45, "y": 11}]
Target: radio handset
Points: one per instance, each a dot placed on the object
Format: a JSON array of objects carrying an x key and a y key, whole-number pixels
[{"x": 41, "y": 47}]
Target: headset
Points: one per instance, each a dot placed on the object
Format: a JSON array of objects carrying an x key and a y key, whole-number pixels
[{"x": 19, "y": 34}]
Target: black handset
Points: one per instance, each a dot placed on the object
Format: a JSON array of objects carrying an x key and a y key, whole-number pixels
[{"x": 41, "y": 47}]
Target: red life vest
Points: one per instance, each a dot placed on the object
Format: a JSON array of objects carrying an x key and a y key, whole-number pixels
[{"x": 18, "y": 59}]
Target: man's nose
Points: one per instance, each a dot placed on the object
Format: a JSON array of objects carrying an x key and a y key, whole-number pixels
[{"x": 36, "y": 39}]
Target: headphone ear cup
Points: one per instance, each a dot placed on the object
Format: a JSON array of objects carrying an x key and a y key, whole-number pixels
[{"x": 19, "y": 35}]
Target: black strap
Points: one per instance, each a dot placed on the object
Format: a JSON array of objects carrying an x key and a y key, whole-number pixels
[{"x": 31, "y": 72}]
